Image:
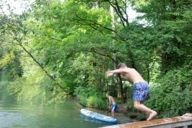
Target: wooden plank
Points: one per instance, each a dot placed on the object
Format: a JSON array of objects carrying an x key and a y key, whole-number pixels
[{"x": 180, "y": 121}]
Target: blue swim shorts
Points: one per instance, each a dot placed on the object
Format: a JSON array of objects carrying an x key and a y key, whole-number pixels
[
  {"x": 113, "y": 107},
  {"x": 140, "y": 91}
]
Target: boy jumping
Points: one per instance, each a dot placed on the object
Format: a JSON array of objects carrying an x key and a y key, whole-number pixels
[{"x": 140, "y": 88}]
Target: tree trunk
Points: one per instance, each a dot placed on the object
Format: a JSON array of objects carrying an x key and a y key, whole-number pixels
[{"x": 119, "y": 80}]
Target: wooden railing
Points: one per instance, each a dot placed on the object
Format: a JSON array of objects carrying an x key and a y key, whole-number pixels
[{"x": 184, "y": 121}]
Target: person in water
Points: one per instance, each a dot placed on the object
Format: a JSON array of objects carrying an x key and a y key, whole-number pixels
[
  {"x": 140, "y": 88},
  {"x": 112, "y": 103}
]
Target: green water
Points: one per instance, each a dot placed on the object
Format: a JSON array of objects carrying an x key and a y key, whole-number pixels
[{"x": 58, "y": 116}]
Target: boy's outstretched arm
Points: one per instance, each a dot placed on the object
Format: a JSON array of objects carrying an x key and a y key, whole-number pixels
[{"x": 111, "y": 72}]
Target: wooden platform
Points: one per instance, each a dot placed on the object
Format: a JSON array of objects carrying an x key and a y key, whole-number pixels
[{"x": 184, "y": 121}]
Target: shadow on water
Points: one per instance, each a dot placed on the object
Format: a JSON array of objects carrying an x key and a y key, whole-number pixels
[{"x": 67, "y": 115}]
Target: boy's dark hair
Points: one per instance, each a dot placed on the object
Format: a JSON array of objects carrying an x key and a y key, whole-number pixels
[
  {"x": 121, "y": 65},
  {"x": 109, "y": 93}
]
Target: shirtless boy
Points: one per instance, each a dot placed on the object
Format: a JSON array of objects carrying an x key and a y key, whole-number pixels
[
  {"x": 112, "y": 103},
  {"x": 140, "y": 87}
]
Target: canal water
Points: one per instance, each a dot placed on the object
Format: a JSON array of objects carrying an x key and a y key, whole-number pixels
[{"x": 67, "y": 115}]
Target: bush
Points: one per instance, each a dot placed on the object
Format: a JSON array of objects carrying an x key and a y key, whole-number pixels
[
  {"x": 173, "y": 96},
  {"x": 90, "y": 97}
]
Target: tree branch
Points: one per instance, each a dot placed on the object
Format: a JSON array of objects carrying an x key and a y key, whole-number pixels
[
  {"x": 94, "y": 24},
  {"x": 120, "y": 11},
  {"x": 41, "y": 66}
]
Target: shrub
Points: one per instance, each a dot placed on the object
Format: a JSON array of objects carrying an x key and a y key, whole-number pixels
[
  {"x": 174, "y": 93},
  {"x": 90, "y": 97}
]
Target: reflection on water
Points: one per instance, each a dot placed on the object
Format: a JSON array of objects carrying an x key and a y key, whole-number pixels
[
  {"x": 6, "y": 119},
  {"x": 63, "y": 116}
]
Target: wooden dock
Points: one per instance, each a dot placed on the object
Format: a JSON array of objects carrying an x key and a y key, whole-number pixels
[{"x": 184, "y": 121}]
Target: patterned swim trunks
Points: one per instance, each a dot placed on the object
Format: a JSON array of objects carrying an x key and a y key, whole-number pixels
[{"x": 140, "y": 91}]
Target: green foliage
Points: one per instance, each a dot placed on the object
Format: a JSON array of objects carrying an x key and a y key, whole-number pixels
[
  {"x": 10, "y": 67},
  {"x": 96, "y": 102},
  {"x": 173, "y": 95},
  {"x": 90, "y": 97},
  {"x": 170, "y": 20},
  {"x": 83, "y": 67}
]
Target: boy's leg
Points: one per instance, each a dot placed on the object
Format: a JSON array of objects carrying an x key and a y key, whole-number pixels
[
  {"x": 113, "y": 110},
  {"x": 139, "y": 94},
  {"x": 112, "y": 113},
  {"x": 151, "y": 113}
]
